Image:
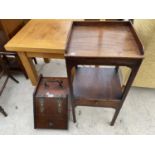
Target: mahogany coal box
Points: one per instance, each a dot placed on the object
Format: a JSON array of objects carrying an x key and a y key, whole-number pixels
[{"x": 50, "y": 103}]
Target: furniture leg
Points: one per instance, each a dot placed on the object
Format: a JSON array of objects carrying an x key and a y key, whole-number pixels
[
  {"x": 35, "y": 60},
  {"x": 4, "y": 85},
  {"x": 126, "y": 90},
  {"x": 29, "y": 67},
  {"x": 69, "y": 73},
  {"x": 117, "y": 68},
  {"x": 10, "y": 76},
  {"x": 46, "y": 60},
  {"x": 115, "y": 117},
  {"x": 6, "y": 59},
  {"x": 5, "y": 70},
  {"x": 3, "y": 112},
  {"x": 22, "y": 67},
  {"x": 73, "y": 109}
]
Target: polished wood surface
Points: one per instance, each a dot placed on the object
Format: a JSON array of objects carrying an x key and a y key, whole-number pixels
[
  {"x": 92, "y": 88},
  {"x": 97, "y": 91},
  {"x": 41, "y": 36},
  {"x": 45, "y": 55},
  {"x": 103, "y": 39},
  {"x": 51, "y": 103},
  {"x": 12, "y": 26},
  {"x": 52, "y": 87},
  {"x": 101, "y": 44}
]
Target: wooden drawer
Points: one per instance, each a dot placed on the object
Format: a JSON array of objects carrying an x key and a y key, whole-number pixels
[{"x": 50, "y": 122}]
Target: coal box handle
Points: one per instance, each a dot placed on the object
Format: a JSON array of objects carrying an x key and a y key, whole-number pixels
[{"x": 60, "y": 82}]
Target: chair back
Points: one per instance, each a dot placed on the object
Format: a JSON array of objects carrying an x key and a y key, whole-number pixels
[{"x": 11, "y": 26}]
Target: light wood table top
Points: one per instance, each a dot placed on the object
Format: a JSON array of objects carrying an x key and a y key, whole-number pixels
[
  {"x": 43, "y": 38},
  {"x": 41, "y": 35}
]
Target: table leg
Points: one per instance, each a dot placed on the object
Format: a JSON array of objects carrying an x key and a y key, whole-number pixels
[
  {"x": 46, "y": 60},
  {"x": 29, "y": 67}
]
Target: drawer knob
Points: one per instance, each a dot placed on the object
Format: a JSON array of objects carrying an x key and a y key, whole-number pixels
[
  {"x": 50, "y": 124},
  {"x": 96, "y": 103}
]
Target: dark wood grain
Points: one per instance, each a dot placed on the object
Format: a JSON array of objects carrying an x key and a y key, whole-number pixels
[
  {"x": 95, "y": 83},
  {"x": 101, "y": 43},
  {"x": 49, "y": 122},
  {"x": 48, "y": 111},
  {"x": 103, "y": 39}
]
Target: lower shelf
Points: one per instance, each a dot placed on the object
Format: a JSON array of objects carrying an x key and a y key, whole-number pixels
[{"x": 97, "y": 84}]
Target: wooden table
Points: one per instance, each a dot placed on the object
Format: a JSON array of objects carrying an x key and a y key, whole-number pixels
[
  {"x": 101, "y": 44},
  {"x": 40, "y": 38}
]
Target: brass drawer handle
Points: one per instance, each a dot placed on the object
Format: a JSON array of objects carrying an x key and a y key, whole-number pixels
[
  {"x": 41, "y": 101},
  {"x": 59, "y": 104},
  {"x": 60, "y": 83}
]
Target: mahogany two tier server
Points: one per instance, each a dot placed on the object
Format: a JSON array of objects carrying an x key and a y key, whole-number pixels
[{"x": 93, "y": 56}]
